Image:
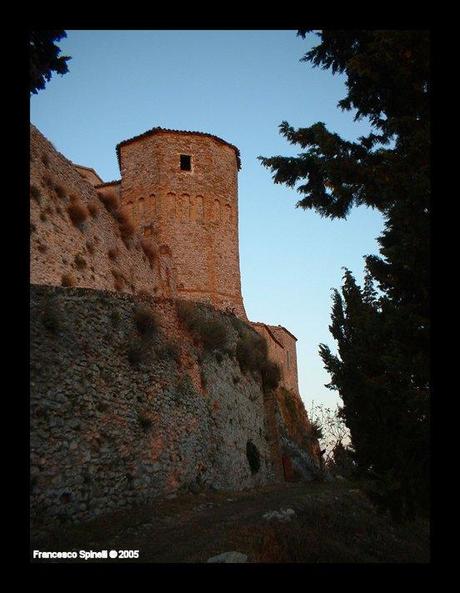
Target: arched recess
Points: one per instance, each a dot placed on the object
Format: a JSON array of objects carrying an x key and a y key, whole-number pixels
[
  {"x": 129, "y": 210},
  {"x": 151, "y": 209},
  {"x": 227, "y": 213},
  {"x": 170, "y": 204},
  {"x": 196, "y": 208},
  {"x": 183, "y": 207},
  {"x": 141, "y": 209},
  {"x": 215, "y": 217}
]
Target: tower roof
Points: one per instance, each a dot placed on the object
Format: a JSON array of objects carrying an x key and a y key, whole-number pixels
[{"x": 159, "y": 130}]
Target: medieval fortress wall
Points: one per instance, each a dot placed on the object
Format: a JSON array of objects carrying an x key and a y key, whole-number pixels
[{"x": 106, "y": 433}]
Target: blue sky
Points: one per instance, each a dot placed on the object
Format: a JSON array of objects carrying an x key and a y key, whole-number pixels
[{"x": 239, "y": 85}]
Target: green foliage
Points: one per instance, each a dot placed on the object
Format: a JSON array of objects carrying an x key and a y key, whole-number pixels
[
  {"x": 289, "y": 402},
  {"x": 271, "y": 375},
  {"x": 44, "y": 58},
  {"x": 382, "y": 370},
  {"x": 253, "y": 457},
  {"x": 204, "y": 324},
  {"x": 316, "y": 431},
  {"x": 252, "y": 355},
  {"x": 251, "y": 350}
]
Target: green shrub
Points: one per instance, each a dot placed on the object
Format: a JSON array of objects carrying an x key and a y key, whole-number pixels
[
  {"x": 271, "y": 375},
  {"x": 251, "y": 351},
  {"x": 204, "y": 324},
  {"x": 146, "y": 321},
  {"x": 289, "y": 403},
  {"x": 213, "y": 334}
]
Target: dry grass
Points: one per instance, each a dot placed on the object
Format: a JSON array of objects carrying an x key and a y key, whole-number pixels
[
  {"x": 78, "y": 212},
  {"x": 35, "y": 193},
  {"x": 90, "y": 247},
  {"x": 80, "y": 262},
  {"x": 113, "y": 253},
  {"x": 149, "y": 250},
  {"x": 126, "y": 227},
  {"x": 68, "y": 280},
  {"x": 60, "y": 191},
  {"x": 110, "y": 200},
  {"x": 48, "y": 180},
  {"x": 93, "y": 209},
  {"x": 118, "y": 279}
]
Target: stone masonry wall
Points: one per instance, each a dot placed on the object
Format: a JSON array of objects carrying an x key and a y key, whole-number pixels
[
  {"x": 194, "y": 214},
  {"x": 107, "y": 433},
  {"x": 92, "y": 254},
  {"x": 282, "y": 350}
]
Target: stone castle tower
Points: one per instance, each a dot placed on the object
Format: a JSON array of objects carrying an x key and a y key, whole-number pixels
[{"x": 182, "y": 188}]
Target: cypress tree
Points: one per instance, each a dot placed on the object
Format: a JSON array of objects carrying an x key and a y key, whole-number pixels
[{"x": 382, "y": 369}]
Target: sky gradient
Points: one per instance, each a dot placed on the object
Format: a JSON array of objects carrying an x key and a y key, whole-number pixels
[{"x": 238, "y": 85}]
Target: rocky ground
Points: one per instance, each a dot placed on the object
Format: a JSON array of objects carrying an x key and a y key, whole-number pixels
[{"x": 315, "y": 522}]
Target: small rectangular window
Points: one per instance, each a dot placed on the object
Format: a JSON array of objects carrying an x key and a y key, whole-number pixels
[{"x": 185, "y": 162}]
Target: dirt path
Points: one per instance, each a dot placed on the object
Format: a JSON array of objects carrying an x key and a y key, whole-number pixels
[{"x": 332, "y": 523}]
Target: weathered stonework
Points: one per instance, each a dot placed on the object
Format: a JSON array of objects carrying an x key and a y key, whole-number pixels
[{"x": 106, "y": 433}]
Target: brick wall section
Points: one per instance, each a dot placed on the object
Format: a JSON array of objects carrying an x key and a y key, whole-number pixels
[
  {"x": 282, "y": 350},
  {"x": 193, "y": 214},
  {"x": 55, "y": 242},
  {"x": 89, "y": 174}
]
